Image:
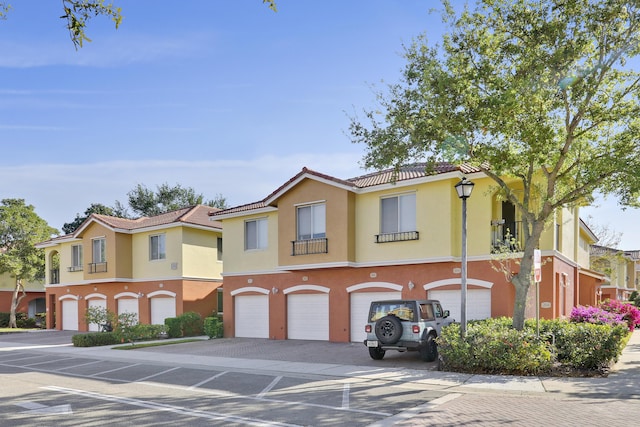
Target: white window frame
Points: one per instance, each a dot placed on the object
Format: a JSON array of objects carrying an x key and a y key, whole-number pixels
[
  {"x": 316, "y": 224},
  {"x": 76, "y": 257},
  {"x": 99, "y": 250},
  {"x": 404, "y": 217},
  {"x": 160, "y": 246},
  {"x": 258, "y": 241}
]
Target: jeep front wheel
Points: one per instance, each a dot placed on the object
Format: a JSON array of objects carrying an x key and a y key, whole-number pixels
[
  {"x": 376, "y": 353},
  {"x": 389, "y": 329}
]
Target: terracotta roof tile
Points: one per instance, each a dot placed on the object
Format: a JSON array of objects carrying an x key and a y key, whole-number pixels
[{"x": 404, "y": 173}]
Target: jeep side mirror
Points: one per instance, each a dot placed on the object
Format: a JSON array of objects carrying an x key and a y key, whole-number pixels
[{"x": 446, "y": 314}]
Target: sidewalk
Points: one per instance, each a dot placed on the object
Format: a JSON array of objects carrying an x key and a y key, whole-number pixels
[{"x": 623, "y": 381}]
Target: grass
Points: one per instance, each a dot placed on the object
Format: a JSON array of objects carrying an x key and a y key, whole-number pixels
[{"x": 153, "y": 344}]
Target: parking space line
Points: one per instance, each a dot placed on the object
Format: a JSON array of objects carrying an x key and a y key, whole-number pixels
[
  {"x": 207, "y": 380},
  {"x": 268, "y": 388},
  {"x": 20, "y": 359},
  {"x": 82, "y": 364},
  {"x": 159, "y": 373},
  {"x": 114, "y": 370},
  {"x": 169, "y": 408},
  {"x": 49, "y": 361},
  {"x": 345, "y": 395},
  {"x": 412, "y": 412}
]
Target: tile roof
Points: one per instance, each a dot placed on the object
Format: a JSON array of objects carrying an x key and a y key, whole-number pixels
[
  {"x": 197, "y": 215},
  {"x": 387, "y": 176}
]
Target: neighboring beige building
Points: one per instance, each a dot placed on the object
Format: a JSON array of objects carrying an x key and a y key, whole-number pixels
[
  {"x": 156, "y": 267},
  {"x": 306, "y": 261},
  {"x": 620, "y": 269}
]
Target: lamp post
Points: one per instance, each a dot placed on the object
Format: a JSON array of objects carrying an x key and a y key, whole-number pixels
[{"x": 464, "y": 189}]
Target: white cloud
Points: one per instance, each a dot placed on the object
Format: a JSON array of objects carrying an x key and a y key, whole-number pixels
[{"x": 60, "y": 191}]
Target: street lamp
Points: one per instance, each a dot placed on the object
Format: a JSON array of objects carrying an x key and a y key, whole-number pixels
[{"x": 464, "y": 189}]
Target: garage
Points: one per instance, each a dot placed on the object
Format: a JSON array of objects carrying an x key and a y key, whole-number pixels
[
  {"x": 162, "y": 308},
  {"x": 308, "y": 317},
  {"x": 478, "y": 302},
  {"x": 128, "y": 305},
  {"x": 359, "y": 309},
  {"x": 70, "y": 315},
  {"x": 100, "y": 304},
  {"x": 252, "y": 316}
]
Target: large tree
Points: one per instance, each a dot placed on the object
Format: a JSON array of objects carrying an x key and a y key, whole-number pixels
[
  {"x": 20, "y": 229},
  {"x": 98, "y": 208},
  {"x": 538, "y": 94},
  {"x": 146, "y": 202}
]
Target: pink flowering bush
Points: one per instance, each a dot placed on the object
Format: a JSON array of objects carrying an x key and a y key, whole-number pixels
[
  {"x": 626, "y": 311},
  {"x": 596, "y": 315}
]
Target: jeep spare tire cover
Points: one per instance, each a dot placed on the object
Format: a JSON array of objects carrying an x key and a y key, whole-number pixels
[{"x": 389, "y": 329}]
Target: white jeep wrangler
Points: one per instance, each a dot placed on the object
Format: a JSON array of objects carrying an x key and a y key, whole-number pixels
[{"x": 405, "y": 325}]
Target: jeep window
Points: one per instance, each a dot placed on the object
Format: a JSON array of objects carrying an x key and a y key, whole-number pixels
[
  {"x": 439, "y": 312},
  {"x": 403, "y": 311},
  {"x": 426, "y": 312}
]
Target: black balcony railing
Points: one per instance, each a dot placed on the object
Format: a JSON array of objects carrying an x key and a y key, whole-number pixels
[
  {"x": 54, "y": 276},
  {"x": 97, "y": 267},
  {"x": 397, "y": 237},
  {"x": 506, "y": 236},
  {"x": 309, "y": 246}
]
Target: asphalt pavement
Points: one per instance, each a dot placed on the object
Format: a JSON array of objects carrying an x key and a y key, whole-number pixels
[{"x": 342, "y": 359}]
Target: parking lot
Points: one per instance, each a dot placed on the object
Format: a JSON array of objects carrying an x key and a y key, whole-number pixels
[{"x": 81, "y": 387}]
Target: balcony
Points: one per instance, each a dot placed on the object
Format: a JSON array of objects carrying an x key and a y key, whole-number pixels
[
  {"x": 506, "y": 236},
  {"x": 54, "y": 275},
  {"x": 397, "y": 237},
  {"x": 309, "y": 246},
  {"x": 97, "y": 267},
  {"x": 75, "y": 268}
]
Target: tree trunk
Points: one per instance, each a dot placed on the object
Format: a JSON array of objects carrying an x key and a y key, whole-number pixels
[
  {"x": 522, "y": 281},
  {"x": 15, "y": 301}
]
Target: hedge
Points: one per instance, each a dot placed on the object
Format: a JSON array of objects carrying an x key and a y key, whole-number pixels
[{"x": 189, "y": 324}]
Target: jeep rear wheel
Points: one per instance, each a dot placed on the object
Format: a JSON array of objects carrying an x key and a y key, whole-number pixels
[
  {"x": 376, "y": 353},
  {"x": 389, "y": 329},
  {"x": 429, "y": 351}
]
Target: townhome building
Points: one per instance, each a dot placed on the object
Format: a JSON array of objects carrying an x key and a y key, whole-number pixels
[
  {"x": 620, "y": 270},
  {"x": 155, "y": 267},
  {"x": 34, "y": 296},
  {"x": 306, "y": 261}
]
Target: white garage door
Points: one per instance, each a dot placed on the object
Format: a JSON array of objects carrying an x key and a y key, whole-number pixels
[
  {"x": 478, "y": 303},
  {"x": 252, "y": 316},
  {"x": 70, "y": 315},
  {"x": 162, "y": 308},
  {"x": 97, "y": 303},
  {"x": 128, "y": 305},
  {"x": 308, "y": 317},
  {"x": 359, "y": 306}
]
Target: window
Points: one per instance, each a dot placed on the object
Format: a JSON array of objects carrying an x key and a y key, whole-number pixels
[
  {"x": 76, "y": 258},
  {"x": 311, "y": 222},
  {"x": 99, "y": 246},
  {"x": 398, "y": 214},
  {"x": 219, "y": 246},
  {"x": 255, "y": 234},
  {"x": 157, "y": 247}
]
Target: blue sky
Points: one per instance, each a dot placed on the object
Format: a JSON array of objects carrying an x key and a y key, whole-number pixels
[{"x": 226, "y": 97}]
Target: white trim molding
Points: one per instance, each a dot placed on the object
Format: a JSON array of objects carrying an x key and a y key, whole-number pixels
[
  {"x": 306, "y": 288},
  {"x": 126, "y": 294},
  {"x": 157, "y": 293},
  {"x": 250, "y": 289},
  {"x": 95, "y": 295},
  {"x": 73, "y": 297},
  {"x": 456, "y": 281},
  {"x": 367, "y": 285}
]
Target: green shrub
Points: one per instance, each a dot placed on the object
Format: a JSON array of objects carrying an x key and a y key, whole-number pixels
[
  {"x": 4, "y": 320},
  {"x": 188, "y": 324},
  {"x": 192, "y": 324},
  {"x": 142, "y": 332},
  {"x": 213, "y": 327},
  {"x": 174, "y": 329},
  {"x": 94, "y": 339},
  {"x": 493, "y": 347}
]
